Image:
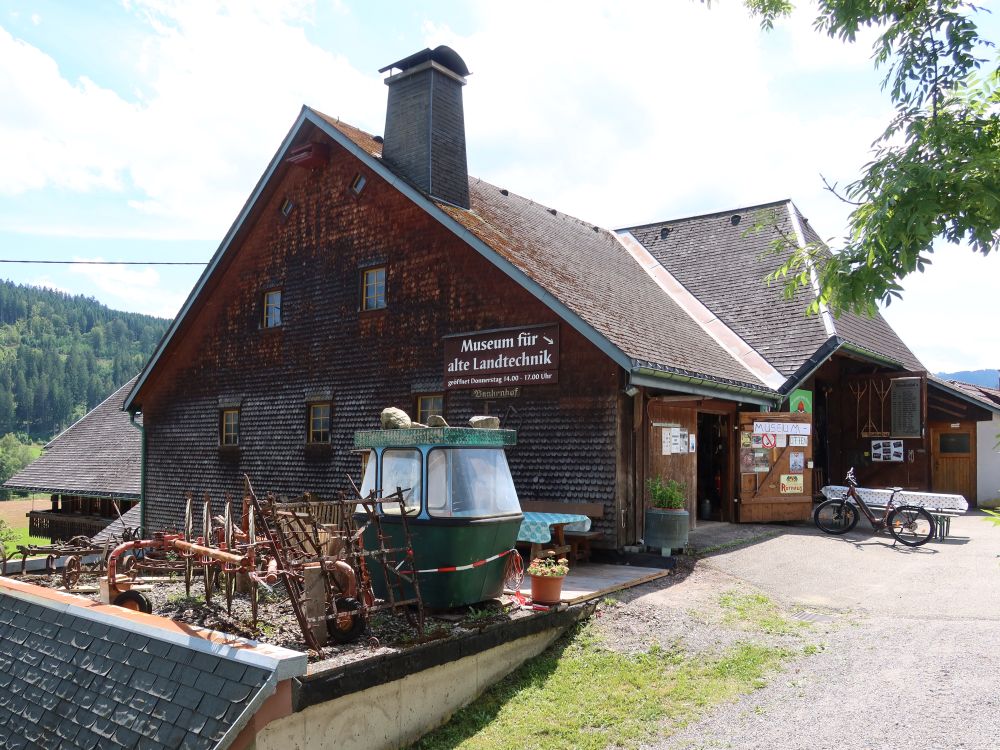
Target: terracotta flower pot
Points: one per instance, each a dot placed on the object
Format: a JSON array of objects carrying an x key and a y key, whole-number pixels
[{"x": 546, "y": 589}]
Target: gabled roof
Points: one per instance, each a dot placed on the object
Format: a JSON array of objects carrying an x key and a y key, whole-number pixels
[
  {"x": 978, "y": 395},
  {"x": 723, "y": 260},
  {"x": 580, "y": 271},
  {"x": 97, "y": 456}
]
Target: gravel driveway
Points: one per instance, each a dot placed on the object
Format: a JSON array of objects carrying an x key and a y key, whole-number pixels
[{"x": 907, "y": 642}]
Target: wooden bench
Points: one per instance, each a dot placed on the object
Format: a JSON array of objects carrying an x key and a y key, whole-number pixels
[{"x": 578, "y": 542}]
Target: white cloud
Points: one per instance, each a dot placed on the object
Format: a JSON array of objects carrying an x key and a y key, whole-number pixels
[
  {"x": 135, "y": 288},
  {"x": 219, "y": 86}
]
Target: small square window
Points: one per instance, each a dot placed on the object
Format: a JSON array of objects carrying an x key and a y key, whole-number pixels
[
  {"x": 359, "y": 184},
  {"x": 286, "y": 207},
  {"x": 229, "y": 427},
  {"x": 373, "y": 289},
  {"x": 272, "y": 309},
  {"x": 428, "y": 405},
  {"x": 319, "y": 423}
]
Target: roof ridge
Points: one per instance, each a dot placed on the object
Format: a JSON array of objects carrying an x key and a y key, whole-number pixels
[{"x": 767, "y": 204}]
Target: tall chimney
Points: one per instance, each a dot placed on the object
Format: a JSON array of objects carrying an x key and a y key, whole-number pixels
[{"x": 425, "y": 124}]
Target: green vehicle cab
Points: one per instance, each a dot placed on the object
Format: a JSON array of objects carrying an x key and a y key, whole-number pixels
[{"x": 461, "y": 507}]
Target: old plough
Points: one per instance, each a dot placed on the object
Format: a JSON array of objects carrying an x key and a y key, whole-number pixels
[{"x": 312, "y": 549}]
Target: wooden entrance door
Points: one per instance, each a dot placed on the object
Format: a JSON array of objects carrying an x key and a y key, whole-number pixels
[
  {"x": 776, "y": 450},
  {"x": 953, "y": 459},
  {"x": 670, "y": 455}
]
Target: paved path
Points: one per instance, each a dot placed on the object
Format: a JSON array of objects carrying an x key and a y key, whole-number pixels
[{"x": 914, "y": 662}]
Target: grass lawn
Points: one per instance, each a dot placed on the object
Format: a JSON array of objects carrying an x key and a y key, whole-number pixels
[
  {"x": 580, "y": 694},
  {"x": 22, "y": 538}
]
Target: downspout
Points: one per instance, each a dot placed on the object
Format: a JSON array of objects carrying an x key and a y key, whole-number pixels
[{"x": 142, "y": 472}]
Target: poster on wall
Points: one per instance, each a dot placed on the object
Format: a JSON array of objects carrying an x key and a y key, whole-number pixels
[
  {"x": 746, "y": 460},
  {"x": 798, "y": 441},
  {"x": 796, "y": 461},
  {"x": 781, "y": 440},
  {"x": 757, "y": 441},
  {"x": 665, "y": 441},
  {"x": 675, "y": 439},
  {"x": 905, "y": 402},
  {"x": 684, "y": 440},
  {"x": 692, "y": 443},
  {"x": 887, "y": 450},
  {"x": 745, "y": 440},
  {"x": 788, "y": 428},
  {"x": 791, "y": 484},
  {"x": 761, "y": 461}
]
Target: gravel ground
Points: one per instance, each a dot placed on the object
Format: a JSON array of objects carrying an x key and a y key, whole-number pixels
[
  {"x": 277, "y": 625},
  {"x": 902, "y": 666}
]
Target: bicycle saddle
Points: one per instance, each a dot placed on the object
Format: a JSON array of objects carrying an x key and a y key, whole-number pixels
[{"x": 895, "y": 489}]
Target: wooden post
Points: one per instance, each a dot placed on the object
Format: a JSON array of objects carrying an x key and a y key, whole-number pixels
[{"x": 315, "y": 601}]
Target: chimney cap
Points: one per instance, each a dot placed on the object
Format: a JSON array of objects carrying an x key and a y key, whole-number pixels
[{"x": 442, "y": 55}]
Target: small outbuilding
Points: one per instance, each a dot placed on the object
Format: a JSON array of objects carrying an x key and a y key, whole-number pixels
[{"x": 87, "y": 469}]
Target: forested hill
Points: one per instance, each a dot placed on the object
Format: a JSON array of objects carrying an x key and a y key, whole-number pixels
[{"x": 61, "y": 355}]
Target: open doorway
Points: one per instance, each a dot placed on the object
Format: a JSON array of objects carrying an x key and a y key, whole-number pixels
[{"x": 713, "y": 467}]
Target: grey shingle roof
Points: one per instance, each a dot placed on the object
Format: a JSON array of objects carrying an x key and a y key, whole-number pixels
[
  {"x": 586, "y": 268},
  {"x": 589, "y": 271},
  {"x": 99, "y": 455},
  {"x": 70, "y": 681},
  {"x": 724, "y": 263}
]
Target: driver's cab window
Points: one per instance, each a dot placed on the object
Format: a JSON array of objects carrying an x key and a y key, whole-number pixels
[{"x": 401, "y": 469}]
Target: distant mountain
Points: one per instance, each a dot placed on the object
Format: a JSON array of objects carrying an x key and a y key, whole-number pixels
[
  {"x": 61, "y": 355},
  {"x": 976, "y": 377}
]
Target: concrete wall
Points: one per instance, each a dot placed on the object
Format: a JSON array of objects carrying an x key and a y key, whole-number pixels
[
  {"x": 395, "y": 714},
  {"x": 988, "y": 463}
]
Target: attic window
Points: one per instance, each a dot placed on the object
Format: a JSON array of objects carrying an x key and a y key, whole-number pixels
[
  {"x": 735, "y": 219},
  {"x": 286, "y": 207},
  {"x": 359, "y": 184},
  {"x": 664, "y": 233}
]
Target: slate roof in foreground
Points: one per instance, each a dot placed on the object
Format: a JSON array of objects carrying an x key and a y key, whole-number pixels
[
  {"x": 97, "y": 456},
  {"x": 74, "y": 674}
]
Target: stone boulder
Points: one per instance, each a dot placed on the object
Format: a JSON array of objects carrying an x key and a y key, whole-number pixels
[
  {"x": 436, "y": 420},
  {"x": 395, "y": 419},
  {"x": 485, "y": 423}
]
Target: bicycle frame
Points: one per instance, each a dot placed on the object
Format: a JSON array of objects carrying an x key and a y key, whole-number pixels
[{"x": 877, "y": 523}]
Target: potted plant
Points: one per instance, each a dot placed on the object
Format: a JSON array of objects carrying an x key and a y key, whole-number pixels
[
  {"x": 547, "y": 575},
  {"x": 667, "y": 520}
]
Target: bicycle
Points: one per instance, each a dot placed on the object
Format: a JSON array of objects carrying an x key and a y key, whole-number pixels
[{"x": 909, "y": 524}]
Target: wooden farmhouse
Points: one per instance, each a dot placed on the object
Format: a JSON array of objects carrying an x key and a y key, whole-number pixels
[
  {"x": 368, "y": 271},
  {"x": 88, "y": 469}
]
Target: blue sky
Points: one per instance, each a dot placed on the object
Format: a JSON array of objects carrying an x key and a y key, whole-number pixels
[{"x": 136, "y": 130}]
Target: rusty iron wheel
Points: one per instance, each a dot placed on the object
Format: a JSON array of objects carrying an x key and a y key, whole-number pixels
[
  {"x": 71, "y": 572},
  {"x": 134, "y": 601}
]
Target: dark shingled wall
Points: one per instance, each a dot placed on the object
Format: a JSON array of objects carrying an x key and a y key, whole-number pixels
[
  {"x": 69, "y": 682},
  {"x": 436, "y": 285}
]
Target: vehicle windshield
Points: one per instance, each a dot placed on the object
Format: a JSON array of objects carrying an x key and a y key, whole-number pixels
[
  {"x": 401, "y": 470},
  {"x": 469, "y": 483}
]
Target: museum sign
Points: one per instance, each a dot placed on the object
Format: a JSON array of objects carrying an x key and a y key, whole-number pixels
[{"x": 502, "y": 357}]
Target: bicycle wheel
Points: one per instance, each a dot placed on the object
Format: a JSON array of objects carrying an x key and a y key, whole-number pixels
[
  {"x": 911, "y": 525},
  {"x": 835, "y": 516}
]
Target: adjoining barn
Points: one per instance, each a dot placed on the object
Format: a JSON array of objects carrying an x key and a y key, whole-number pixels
[{"x": 87, "y": 469}]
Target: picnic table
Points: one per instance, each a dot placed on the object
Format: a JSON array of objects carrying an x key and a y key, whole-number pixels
[
  {"x": 543, "y": 528},
  {"x": 942, "y": 507}
]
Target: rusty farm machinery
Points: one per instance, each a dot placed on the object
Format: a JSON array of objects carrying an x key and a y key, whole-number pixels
[{"x": 312, "y": 549}]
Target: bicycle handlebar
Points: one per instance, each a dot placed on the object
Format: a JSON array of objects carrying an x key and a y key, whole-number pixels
[{"x": 851, "y": 480}]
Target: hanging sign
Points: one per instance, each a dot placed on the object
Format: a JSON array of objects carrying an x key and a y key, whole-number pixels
[
  {"x": 798, "y": 441},
  {"x": 502, "y": 357},
  {"x": 801, "y": 402},
  {"x": 496, "y": 394},
  {"x": 906, "y": 407},
  {"x": 789, "y": 428},
  {"x": 768, "y": 441}
]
